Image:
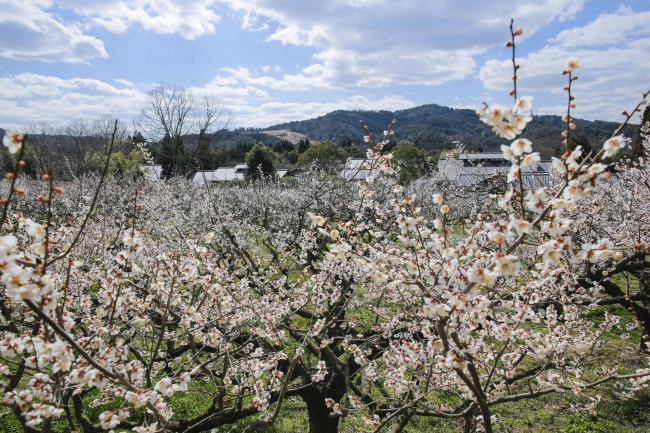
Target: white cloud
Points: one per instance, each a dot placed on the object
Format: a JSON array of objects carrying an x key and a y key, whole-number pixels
[
  {"x": 29, "y": 33},
  {"x": 271, "y": 113},
  {"x": 610, "y": 80},
  {"x": 607, "y": 29},
  {"x": 189, "y": 18},
  {"x": 376, "y": 43},
  {"x": 303, "y": 81},
  {"x": 28, "y": 98},
  {"x": 125, "y": 82}
]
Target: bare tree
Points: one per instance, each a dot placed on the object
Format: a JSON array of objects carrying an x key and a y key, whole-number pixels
[
  {"x": 184, "y": 133},
  {"x": 83, "y": 145},
  {"x": 41, "y": 153}
]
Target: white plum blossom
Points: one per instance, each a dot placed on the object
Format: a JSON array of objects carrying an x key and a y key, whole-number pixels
[{"x": 13, "y": 140}]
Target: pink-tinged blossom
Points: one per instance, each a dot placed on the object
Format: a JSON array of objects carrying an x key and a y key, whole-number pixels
[
  {"x": 521, "y": 146},
  {"x": 13, "y": 140},
  {"x": 613, "y": 145},
  {"x": 525, "y": 103},
  {"x": 572, "y": 64}
]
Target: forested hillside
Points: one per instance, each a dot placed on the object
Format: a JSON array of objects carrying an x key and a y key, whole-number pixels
[{"x": 436, "y": 127}]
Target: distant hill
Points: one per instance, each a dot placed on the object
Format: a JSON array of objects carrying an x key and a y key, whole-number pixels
[
  {"x": 2, "y": 132},
  {"x": 284, "y": 134},
  {"x": 436, "y": 127}
]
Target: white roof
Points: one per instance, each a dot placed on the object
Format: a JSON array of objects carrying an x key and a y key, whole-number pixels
[
  {"x": 354, "y": 169},
  {"x": 201, "y": 177},
  {"x": 471, "y": 170},
  {"x": 481, "y": 156},
  {"x": 153, "y": 172},
  {"x": 225, "y": 174}
]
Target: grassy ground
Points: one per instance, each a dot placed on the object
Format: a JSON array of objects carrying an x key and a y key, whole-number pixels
[{"x": 548, "y": 414}]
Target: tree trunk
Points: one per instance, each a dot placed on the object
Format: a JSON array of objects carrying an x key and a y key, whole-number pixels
[{"x": 319, "y": 415}]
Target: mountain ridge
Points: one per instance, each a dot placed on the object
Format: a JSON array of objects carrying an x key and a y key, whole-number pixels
[{"x": 436, "y": 127}]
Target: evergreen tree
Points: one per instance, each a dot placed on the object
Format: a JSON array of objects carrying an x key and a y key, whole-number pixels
[
  {"x": 172, "y": 157},
  {"x": 637, "y": 147},
  {"x": 412, "y": 161},
  {"x": 204, "y": 155},
  {"x": 576, "y": 140},
  {"x": 261, "y": 162},
  {"x": 287, "y": 146},
  {"x": 138, "y": 138}
]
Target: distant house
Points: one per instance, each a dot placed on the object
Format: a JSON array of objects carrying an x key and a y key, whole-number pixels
[
  {"x": 356, "y": 169},
  {"x": 201, "y": 177},
  {"x": 152, "y": 172},
  {"x": 474, "y": 168},
  {"x": 227, "y": 174}
]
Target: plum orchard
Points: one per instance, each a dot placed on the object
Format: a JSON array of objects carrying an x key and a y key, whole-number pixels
[{"x": 365, "y": 300}]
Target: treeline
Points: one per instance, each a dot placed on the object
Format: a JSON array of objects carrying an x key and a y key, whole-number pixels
[
  {"x": 434, "y": 127},
  {"x": 80, "y": 147}
]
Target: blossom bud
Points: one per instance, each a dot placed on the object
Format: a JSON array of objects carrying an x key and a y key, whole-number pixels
[
  {"x": 644, "y": 101},
  {"x": 508, "y": 44},
  {"x": 3, "y": 201},
  {"x": 573, "y": 105},
  {"x": 625, "y": 113},
  {"x": 618, "y": 255},
  {"x": 566, "y": 88},
  {"x": 565, "y": 133},
  {"x": 518, "y": 32},
  {"x": 132, "y": 197},
  {"x": 572, "y": 125},
  {"x": 361, "y": 122},
  {"x": 565, "y": 72},
  {"x": 19, "y": 191},
  {"x": 514, "y": 77},
  {"x": 42, "y": 199},
  {"x": 571, "y": 98},
  {"x": 58, "y": 190},
  {"x": 444, "y": 209},
  {"x": 10, "y": 176},
  {"x": 46, "y": 178},
  {"x": 21, "y": 163},
  {"x": 512, "y": 92}
]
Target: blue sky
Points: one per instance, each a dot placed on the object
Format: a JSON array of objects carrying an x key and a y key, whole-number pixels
[{"x": 270, "y": 61}]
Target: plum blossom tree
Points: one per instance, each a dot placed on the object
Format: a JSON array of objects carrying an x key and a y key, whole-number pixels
[{"x": 362, "y": 299}]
